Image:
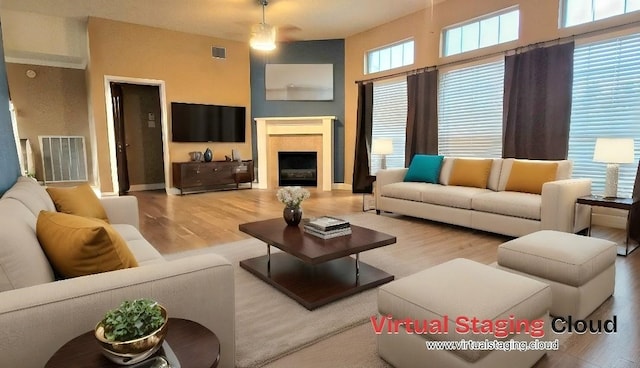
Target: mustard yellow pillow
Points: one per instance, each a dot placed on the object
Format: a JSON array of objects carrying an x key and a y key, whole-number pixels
[
  {"x": 77, "y": 246},
  {"x": 80, "y": 200},
  {"x": 470, "y": 172},
  {"x": 528, "y": 177}
]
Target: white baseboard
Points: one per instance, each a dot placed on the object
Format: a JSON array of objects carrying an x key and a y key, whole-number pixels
[{"x": 141, "y": 187}]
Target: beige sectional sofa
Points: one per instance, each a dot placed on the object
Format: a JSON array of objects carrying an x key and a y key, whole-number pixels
[
  {"x": 493, "y": 208},
  {"x": 39, "y": 314}
]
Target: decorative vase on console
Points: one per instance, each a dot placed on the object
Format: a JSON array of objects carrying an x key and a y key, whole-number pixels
[
  {"x": 292, "y": 197},
  {"x": 208, "y": 155}
]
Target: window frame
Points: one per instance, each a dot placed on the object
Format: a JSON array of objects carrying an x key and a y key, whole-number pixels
[
  {"x": 474, "y": 64},
  {"x": 562, "y": 16},
  {"x": 389, "y": 47},
  {"x": 397, "y": 158},
  {"x": 478, "y": 20},
  {"x": 627, "y": 171}
]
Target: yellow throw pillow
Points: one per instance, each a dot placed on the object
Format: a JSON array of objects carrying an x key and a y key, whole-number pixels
[
  {"x": 528, "y": 177},
  {"x": 470, "y": 172},
  {"x": 80, "y": 200},
  {"x": 77, "y": 246}
]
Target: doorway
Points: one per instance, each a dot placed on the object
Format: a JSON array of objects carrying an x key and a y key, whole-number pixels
[{"x": 137, "y": 130}]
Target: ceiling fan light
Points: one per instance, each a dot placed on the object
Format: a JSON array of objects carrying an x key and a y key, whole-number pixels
[{"x": 263, "y": 37}]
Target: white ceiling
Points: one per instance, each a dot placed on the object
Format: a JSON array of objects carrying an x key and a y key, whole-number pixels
[{"x": 231, "y": 19}]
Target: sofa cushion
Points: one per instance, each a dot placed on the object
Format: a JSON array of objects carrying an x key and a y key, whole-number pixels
[
  {"x": 80, "y": 200},
  {"x": 31, "y": 194},
  {"x": 529, "y": 177},
  {"x": 144, "y": 252},
  {"x": 450, "y": 195},
  {"x": 22, "y": 261},
  {"x": 470, "y": 172},
  {"x": 565, "y": 168},
  {"x": 78, "y": 246},
  {"x": 424, "y": 168},
  {"x": 516, "y": 204},
  {"x": 494, "y": 176},
  {"x": 404, "y": 190}
]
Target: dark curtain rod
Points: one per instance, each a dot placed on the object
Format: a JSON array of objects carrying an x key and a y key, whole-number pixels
[{"x": 516, "y": 50}]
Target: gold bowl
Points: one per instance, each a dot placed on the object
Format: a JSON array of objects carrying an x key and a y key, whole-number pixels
[{"x": 132, "y": 351}]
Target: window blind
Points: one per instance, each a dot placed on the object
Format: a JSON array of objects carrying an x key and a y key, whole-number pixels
[
  {"x": 470, "y": 111},
  {"x": 606, "y": 103},
  {"x": 390, "y": 120}
]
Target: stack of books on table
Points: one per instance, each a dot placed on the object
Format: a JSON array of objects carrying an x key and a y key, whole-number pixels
[{"x": 327, "y": 227}]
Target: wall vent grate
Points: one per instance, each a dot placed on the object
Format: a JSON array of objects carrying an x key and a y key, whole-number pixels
[{"x": 63, "y": 158}]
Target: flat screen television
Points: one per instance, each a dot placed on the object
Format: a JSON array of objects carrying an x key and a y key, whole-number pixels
[{"x": 207, "y": 123}]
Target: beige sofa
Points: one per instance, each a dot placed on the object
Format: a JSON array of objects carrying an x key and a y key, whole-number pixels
[
  {"x": 493, "y": 209},
  {"x": 38, "y": 314}
]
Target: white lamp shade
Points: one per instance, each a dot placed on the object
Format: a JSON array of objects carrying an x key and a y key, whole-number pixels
[
  {"x": 263, "y": 37},
  {"x": 614, "y": 150},
  {"x": 382, "y": 146}
]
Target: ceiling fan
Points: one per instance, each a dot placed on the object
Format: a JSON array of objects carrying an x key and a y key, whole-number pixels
[{"x": 264, "y": 35}]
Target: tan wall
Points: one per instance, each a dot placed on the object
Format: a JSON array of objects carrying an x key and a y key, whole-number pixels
[
  {"x": 183, "y": 61},
  {"x": 538, "y": 22},
  {"x": 143, "y": 137},
  {"x": 52, "y": 103}
]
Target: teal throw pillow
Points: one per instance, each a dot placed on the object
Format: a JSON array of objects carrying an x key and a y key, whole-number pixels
[{"x": 424, "y": 168}]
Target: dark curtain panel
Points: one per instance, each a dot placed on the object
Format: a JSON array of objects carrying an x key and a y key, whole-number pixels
[
  {"x": 422, "y": 115},
  {"x": 537, "y": 103},
  {"x": 121, "y": 146},
  {"x": 361, "y": 180}
]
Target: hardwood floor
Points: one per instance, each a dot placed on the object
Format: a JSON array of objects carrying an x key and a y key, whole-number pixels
[{"x": 177, "y": 223}]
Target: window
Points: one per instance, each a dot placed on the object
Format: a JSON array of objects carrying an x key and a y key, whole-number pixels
[
  {"x": 470, "y": 111},
  {"x": 390, "y": 57},
  {"x": 390, "y": 120},
  {"x": 483, "y": 32},
  {"x": 606, "y": 103},
  {"x": 584, "y": 11}
]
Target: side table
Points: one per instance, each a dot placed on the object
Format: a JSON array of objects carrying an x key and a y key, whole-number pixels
[
  {"x": 193, "y": 344},
  {"x": 619, "y": 203}
]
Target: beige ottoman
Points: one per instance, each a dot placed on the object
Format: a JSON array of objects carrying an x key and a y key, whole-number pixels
[
  {"x": 453, "y": 293},
  {"x": 580, "y": 270}
]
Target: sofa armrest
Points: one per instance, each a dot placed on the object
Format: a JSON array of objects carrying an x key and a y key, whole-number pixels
[
  {"x": 388, "y": 176},
  {"x": 36, "y": 321},
  {"x": 122, "y": 210},
  {"x": 558, "y": 208}
]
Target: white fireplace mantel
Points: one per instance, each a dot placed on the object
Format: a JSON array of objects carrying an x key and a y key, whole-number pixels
[{"x": 298, "y": 125}]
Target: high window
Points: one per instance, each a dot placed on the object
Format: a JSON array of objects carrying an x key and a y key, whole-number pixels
[
  {"x": 390, "y": 57},
  {"x": 482, "y": 32},
  {"x": 576, "y": 12},
  {"x": 606, "y": 103},
  {"x": 470, "y": 111},
  {"x": 390, "y": 120}
]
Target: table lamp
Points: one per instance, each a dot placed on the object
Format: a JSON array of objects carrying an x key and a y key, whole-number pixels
[
  {"x": 382, "y": 147},
  {"x": 613, "y": 151}
]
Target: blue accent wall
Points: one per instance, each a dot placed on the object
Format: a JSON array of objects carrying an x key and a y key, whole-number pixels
[
  {"x": 9, "y": 164},
  {"x": 303, "y": 52}
]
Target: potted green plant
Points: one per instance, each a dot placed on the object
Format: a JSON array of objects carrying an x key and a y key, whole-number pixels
[{"x": 133, "y": 331}]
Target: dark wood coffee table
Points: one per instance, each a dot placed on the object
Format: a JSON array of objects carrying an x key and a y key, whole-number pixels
[
  {"x": 194, "y": 345},
  {"x": 311, "y": 270}
]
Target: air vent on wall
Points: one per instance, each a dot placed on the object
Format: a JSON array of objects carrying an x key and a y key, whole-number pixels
[{"x": 218, "y": 52}]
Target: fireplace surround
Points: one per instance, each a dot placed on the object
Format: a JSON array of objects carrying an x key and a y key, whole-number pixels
[{"x": 310, "y": 133}]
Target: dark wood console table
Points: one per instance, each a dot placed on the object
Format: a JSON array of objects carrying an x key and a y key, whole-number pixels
[
  {"x": 194, "y": 176},
  {"x": 619, "y": 203}
]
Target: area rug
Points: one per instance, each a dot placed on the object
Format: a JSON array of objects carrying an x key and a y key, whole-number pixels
[{"x": 270, "y": 325}]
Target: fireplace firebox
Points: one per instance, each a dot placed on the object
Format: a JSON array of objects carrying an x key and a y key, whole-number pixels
[{"x": 298, "y": 168}]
